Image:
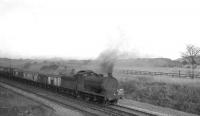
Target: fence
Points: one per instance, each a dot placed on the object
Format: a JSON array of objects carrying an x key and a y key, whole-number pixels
[{"x": 179, "y": 74}]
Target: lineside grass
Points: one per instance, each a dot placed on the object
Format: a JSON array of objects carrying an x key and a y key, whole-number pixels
[{"x": 175, "y": 93}]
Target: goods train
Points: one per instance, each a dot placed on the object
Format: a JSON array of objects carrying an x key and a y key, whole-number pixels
[{"x": 84, "y": 84}]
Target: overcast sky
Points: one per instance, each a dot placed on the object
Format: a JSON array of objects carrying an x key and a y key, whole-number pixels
[{"x": 85, "y": 28}]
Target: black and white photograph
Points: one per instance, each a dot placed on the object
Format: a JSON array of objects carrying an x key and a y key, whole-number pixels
[{"x": 99, "y": 58}]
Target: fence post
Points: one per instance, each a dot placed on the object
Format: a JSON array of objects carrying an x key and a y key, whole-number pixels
[{"x": 179, "y": 73}]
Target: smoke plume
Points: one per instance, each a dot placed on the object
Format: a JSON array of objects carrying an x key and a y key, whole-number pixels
[{"x": 107, "y": 60}]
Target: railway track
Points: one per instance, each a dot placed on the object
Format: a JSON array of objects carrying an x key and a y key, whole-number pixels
[
  {"x": 136, "y": 111},
  {"x": 78, "y": 104}
]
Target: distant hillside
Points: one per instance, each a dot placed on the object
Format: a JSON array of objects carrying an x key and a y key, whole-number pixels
[
  {"x": 43, "y": 65},
  {"x": 149, "y": 62},
  {"x": 184, "y": 61},
  {"x": 152, "y": 62},
  {"x": 51, "y": 66}
]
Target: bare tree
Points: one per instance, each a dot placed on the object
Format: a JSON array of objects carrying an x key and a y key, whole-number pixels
[{"x": 190, "y": 56}]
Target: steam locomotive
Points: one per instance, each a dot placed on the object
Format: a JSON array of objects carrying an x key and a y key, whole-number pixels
[{"x": 84, "y": 84}]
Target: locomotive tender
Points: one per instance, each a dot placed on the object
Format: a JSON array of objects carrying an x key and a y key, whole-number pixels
[{"x": 84, "y": 84}]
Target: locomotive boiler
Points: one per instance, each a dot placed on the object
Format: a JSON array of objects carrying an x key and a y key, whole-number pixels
[{"x": 98, "y": 85}]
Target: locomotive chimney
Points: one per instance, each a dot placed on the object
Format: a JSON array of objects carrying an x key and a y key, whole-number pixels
[{"x": 110, "y": 74}]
